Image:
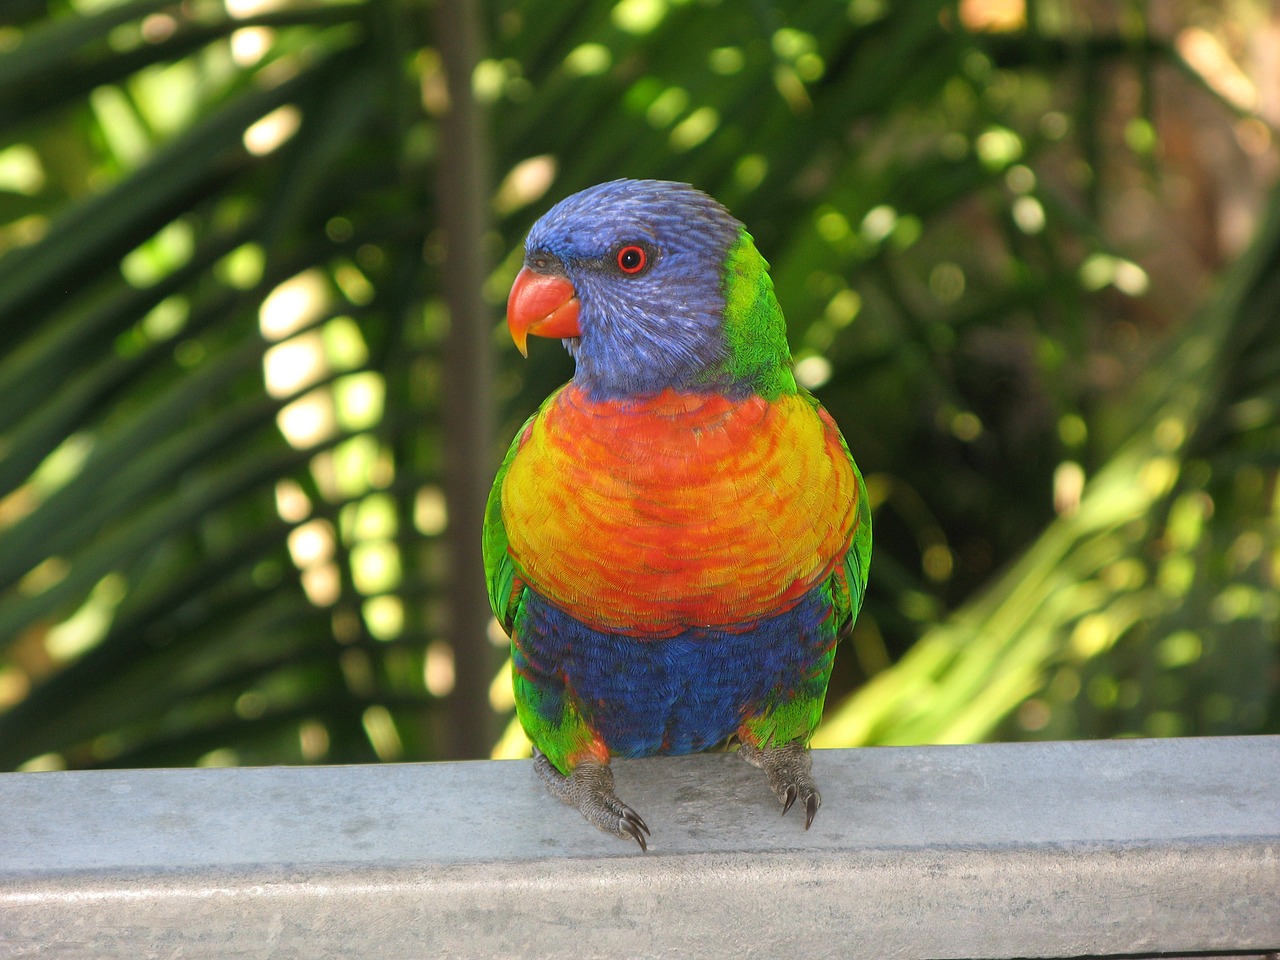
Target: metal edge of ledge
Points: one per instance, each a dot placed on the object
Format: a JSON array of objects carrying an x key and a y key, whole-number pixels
[{"x": 999, "y": 850}]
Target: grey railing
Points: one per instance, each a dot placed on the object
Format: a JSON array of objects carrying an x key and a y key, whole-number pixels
[{"x": 1136, "y": 847}]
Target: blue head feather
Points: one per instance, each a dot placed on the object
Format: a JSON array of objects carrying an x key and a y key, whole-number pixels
[{"x": 662, "y": 327}]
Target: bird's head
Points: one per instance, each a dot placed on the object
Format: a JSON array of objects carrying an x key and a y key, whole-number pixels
[{"x": 651, "y": 285}]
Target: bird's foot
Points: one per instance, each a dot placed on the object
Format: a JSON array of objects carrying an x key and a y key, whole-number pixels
[
  {"x": 790, "y": 772},
  {"x": 589, "y": 787}
]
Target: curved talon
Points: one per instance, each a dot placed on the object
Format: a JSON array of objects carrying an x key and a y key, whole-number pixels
[
  {"x": 630, "y": 828},
  {"x": 589, "y": 787},
  {"x": 790, "y": 772},
  {"x": 790, "y": 798},
  {"x": 635, "y": 818}
]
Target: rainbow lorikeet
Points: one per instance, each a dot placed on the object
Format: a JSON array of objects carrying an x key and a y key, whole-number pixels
[{"x": 678, "y": 538}]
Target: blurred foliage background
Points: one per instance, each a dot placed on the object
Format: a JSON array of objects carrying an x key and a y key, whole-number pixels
[{"x": 254, "y": 380}]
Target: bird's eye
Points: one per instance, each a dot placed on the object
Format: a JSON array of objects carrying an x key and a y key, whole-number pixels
[{"x": 632, "y": 259}]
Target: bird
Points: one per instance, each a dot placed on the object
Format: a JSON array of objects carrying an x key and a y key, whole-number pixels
[{"x": 678, "y": 537}]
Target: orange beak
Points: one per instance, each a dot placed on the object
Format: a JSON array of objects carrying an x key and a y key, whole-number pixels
[{"x": 542, "y": 304}]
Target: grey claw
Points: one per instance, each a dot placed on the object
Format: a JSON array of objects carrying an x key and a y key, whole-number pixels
[
  {"x": 635, "y": 818},
  {"x": 790, "y": 798},
  {"x": 810, "y": 810},
  {"x": 589, "y": 787},
  {"x": 789, "y": 769},
  {"x": 628, "y": 827}
]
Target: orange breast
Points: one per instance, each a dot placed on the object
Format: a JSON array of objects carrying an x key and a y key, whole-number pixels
[{"x": 682, "y": 510}]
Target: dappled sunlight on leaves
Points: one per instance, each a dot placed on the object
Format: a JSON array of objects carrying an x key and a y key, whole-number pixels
[{"x": 224, "y": 536}]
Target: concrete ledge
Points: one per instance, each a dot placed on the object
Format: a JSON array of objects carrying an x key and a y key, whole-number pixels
[{"x": 1006, "y": 850}]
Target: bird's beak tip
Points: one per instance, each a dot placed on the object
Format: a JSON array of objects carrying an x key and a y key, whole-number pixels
[{"x": 541, "y": 304}]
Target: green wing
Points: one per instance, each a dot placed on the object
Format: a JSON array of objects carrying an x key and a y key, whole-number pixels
[
  {"x": 857, "y": 562},
  {"x": 850, "y": 584},
  {"x": 504, "y": 583}
]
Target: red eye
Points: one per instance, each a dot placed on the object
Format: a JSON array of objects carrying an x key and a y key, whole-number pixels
[{"x": 632, "y": 259}]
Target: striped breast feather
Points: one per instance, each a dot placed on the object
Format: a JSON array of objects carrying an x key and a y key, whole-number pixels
[{"x": 651, "y": 516}]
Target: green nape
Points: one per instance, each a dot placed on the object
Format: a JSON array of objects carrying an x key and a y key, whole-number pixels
[{"x": 754, "y": 328}]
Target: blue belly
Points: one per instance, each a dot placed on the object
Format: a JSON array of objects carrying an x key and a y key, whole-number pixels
[{"x": 675, "y": 695}]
